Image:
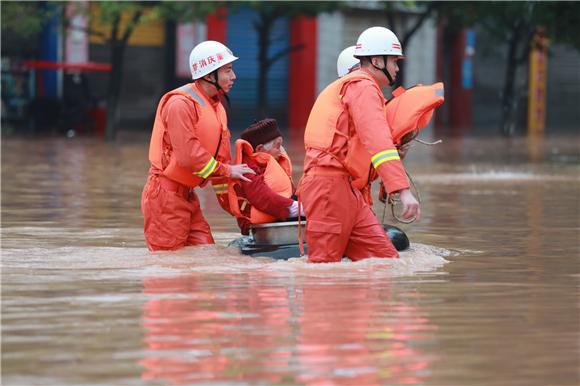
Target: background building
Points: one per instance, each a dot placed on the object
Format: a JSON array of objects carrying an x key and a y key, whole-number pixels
[{"x": 156, "y": 60}]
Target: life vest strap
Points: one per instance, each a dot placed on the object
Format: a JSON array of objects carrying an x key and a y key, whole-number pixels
[
  {"x": 191, "y": 92},
  {"x": 398, "y": 91},
  {"x": 300, "y": 236}
]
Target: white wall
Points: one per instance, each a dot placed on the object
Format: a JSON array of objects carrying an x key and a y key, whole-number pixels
[
  {"x": 420, "y": 65},
  {"x": 337, "y": 31},
  {"x": 329, "y": 45}
]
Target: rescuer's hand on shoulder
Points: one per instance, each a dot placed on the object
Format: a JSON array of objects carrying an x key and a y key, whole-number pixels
[{"x": 238, "y": 171}]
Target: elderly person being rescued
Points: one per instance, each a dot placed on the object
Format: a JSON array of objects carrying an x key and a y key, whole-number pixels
[{"x": 265, "y": 196}]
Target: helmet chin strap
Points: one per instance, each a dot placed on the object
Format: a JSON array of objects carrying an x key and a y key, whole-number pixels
[
  {"x": 384, "y": 70},
  {"x": 218, "y": 87}
]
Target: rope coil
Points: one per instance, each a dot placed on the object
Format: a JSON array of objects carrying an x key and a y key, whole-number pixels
[{"x": 393, "y": 199}]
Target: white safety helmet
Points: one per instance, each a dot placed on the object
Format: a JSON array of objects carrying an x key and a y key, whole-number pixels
[
  {"x": 207, "y": 57},
  {"x": 378, "y": 41},
  {"x": 346, "y": 62}
]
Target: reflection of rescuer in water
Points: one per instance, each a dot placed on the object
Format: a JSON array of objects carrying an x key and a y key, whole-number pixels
[
  {"x": 373, "y": 342},
  {"x": 188, "y": 334},
  {"x": 190, "y": 145},
  {"x": 267, "y": 195},
  {"x": 282, "y": 335},
  {"x": 346, "y": 123}
]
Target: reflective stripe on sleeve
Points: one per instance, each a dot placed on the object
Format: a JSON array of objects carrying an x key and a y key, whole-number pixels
[
  {"x": 384, "y": 156},
  {"x": 207, "y": 169},
  {"x": 220, "y": 188}
]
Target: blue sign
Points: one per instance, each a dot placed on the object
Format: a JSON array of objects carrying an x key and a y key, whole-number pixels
[{"x": 467, "y": 67}]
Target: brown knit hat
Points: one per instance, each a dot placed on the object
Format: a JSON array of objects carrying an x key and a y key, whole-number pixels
[{"x": 261, "y": 132}]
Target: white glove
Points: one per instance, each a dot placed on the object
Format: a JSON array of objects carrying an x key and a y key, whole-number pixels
[{"x": 293, "y": 209}]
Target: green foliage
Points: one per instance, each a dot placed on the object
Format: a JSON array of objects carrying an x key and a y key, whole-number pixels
[
  {"x": 112, "y": 10},
  {"x": 498, "y": 18},
  {"x": 185, "y": 10},
  {"x": 562, "y": 22},
  {"x": 23, "y": 19},
  {"x": 407, "y": 5},
  {"x": 163, "y": 10},
  {"x": 22, "y": 23},
  {"x": 512, "y": 25},
  {"x": 290, "y": 8}
]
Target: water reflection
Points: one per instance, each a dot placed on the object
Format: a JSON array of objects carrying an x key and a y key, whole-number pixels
[{"x": 267, "y": 328}]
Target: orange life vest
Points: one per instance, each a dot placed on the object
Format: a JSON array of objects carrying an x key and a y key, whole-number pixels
[
  {"x": 211, "y": 129},
  {"x": 409, "y": 110},
  {"x": 322, "y": 123},
  {"x": 277, "y": 176}
]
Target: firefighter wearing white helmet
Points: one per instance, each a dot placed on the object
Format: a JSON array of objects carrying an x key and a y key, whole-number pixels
[
  {"x": 206, "y": 58},
  {"x": 190, "y": 145},
  {"x": 380, "y": 42},
  {"x": 346, "y": 62},
  {"x": 347, "y": 139}
]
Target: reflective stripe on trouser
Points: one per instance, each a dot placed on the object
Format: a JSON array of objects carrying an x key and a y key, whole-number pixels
[
  {"x": 172, "y": 220},
  {"x": 339, "y": 222}
]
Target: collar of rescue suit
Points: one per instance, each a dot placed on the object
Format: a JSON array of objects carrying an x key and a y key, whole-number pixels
[
  {"x": 214, "y": 100},
  {"x": 371, "y": 76},
  {"x": 374, "y": 80}
]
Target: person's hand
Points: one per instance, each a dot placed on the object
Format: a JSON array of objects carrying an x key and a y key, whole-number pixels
[
  {"x": 293, "y": 210},
  {"x": 238, "y": 171},
  {"x": 411, "y": 207}
]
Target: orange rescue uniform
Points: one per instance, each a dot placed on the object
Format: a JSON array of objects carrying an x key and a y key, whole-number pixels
[
  {"x": 347, "y": 123},
  {"x": 408, "y": 112},
  {"x": 189, "y": 145}
]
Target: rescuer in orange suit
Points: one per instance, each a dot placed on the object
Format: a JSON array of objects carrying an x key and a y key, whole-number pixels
[
  {"x": 190, "y": 145},
  {"x": 408, "y": 111},
  {"x": 348, "y": 123},
  {"x": 345, "y": 64}
]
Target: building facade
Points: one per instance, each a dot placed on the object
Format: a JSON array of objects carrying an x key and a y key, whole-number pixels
[{"x": 156, "y": 60}]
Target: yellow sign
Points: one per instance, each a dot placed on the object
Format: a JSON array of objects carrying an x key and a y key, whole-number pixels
[
  {"x": 149, "y": 33},
  {"x": 537, "y": 83}
]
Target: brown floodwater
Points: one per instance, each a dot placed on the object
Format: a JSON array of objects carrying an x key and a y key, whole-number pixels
[{"x": 487, "y": 295}]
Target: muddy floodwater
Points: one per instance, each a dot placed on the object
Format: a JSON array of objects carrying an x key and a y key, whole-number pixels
[{"x": 487, "y": 295}]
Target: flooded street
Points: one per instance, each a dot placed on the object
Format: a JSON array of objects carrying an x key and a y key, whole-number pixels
[{"x": 487, "y": 295}]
